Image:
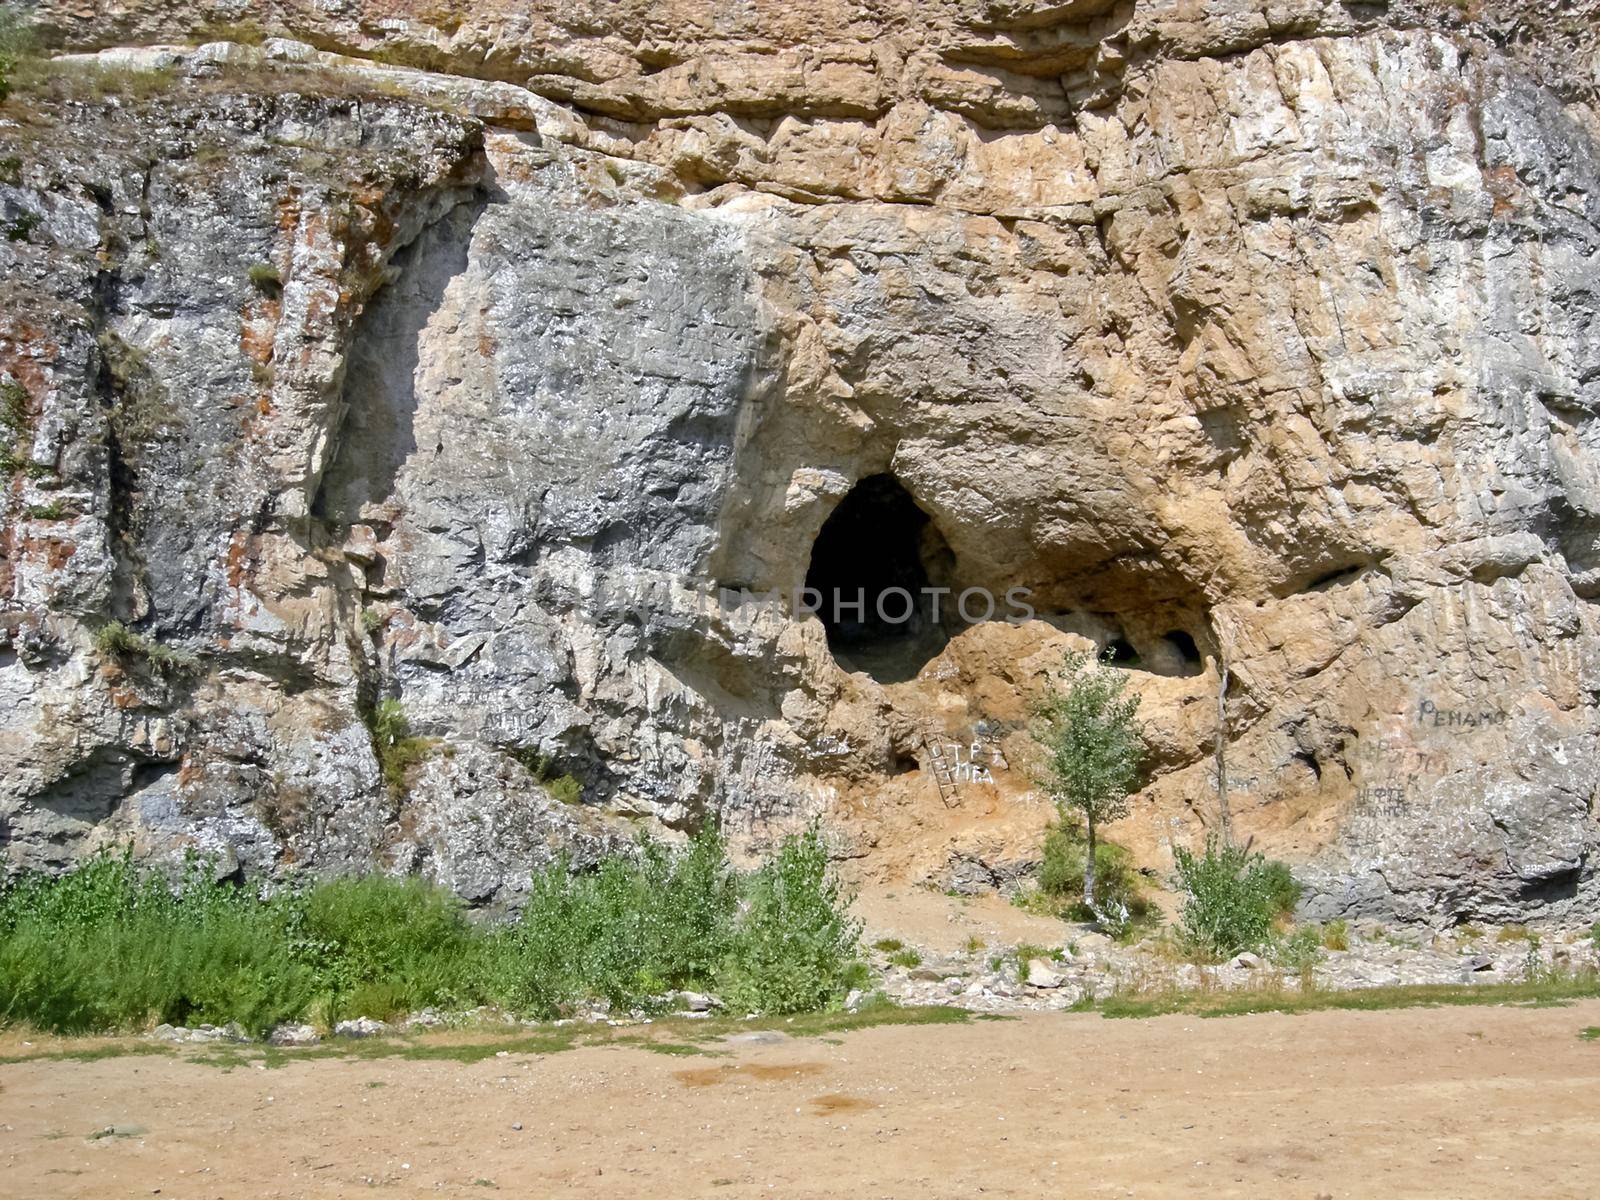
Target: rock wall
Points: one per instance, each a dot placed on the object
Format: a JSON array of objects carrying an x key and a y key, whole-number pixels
[{"x": 504, "y": 362}]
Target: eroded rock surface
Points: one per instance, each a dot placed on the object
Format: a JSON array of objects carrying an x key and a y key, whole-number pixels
[{"x": 502, "y": 362}]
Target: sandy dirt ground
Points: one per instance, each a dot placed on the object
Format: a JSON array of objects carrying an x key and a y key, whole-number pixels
[
  {"x": 1459, "y": 1102},
  {"x": 942, "y": 924}
]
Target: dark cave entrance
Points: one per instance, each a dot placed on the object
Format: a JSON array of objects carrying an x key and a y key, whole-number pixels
[{"x": 871, "y": 567}]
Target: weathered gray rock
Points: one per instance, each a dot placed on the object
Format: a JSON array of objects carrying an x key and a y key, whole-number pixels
[
  {"x": 360, "y": 1027},
  {"x": 294, "y": 1035},
  {"x": 695, "y": 1002},
  {"x": 231, "y": 1032}
]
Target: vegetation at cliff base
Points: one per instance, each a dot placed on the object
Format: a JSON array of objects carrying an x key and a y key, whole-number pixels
[
  {"x": 1090, "y": 746},
  {"x": 114, "y": 944},
  {"x": 1234, "y": 898},
  {"x": 1061, "y": 875}
]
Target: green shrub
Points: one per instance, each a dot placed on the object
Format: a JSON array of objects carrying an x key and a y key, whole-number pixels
[
  {"x": 115, "y": 945},
  {"x": 21, "y": 228},
  {"x": 381, "y": 946},
  {"x": 1282, "y": 887},
  {"x": 111, "y": 945},
  {"x": 16, "y": 426},
  {"x": 795, "y": 945},
  {"x": 1298, "y": 951},
  {"x": 888, "y": 945},
  {"x": 1336, "y": 935},
  {"x": 1233, "y": 897},
  {"x": 14, "y": 419},
  {"x": 1116, "y": 881},
  {"x": 906, "y": 958},
  {"x": 777, "y": 940}
]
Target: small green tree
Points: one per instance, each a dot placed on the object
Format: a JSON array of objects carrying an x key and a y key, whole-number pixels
[{"x": 1091, "y": 745}]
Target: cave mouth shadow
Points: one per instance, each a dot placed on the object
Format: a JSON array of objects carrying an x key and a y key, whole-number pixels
[{"x": 872, "y": 565}]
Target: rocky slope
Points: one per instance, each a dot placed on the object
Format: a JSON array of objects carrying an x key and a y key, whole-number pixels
[{"x": 501, "y": 362}]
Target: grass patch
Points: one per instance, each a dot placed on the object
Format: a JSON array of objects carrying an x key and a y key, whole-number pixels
[
  {"x": 888, "y": 945},
  {"x": 907, "y": 958},
  {"x": 115, "y": 945},
  {"x": 90, "y": 1053},
  {"x": 244, "y": 33},
  {"x": 266, "y": 279},
  {"x": 1544, "y": 993},
  {"x": 116, "y": 641},
  {"x": 1027, "y": 951},
  {"x": 676, "y": 1037},
  {"x": 1591, "y": 1034},
  {"x": 16, "y": 426},
  {"x": 562, "y": 786},
  {"x": 398, "y": 750}
]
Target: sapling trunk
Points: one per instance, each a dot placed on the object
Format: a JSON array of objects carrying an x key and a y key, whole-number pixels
[{"x": 1088, "y": 868}]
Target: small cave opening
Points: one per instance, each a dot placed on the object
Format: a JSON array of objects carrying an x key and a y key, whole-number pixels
[
  {"x": 1120, "y": 652},
  {"x": 1177, "y": 653},
  {"x": 872, "y": 566}
]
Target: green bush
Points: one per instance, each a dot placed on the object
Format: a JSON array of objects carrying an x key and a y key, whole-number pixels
[
  {"x": 630, "y": 930},
  {"x": 1282, "y": 887},
  {"x": 1298, "y": 951},
  {"x": 1233, "y": 897},
  {"x": 382, "y": 946},
  {"x": 115, "y": 945},
  {"x": 795, "y": 945},
  {"x": 1116, "y": 880}
]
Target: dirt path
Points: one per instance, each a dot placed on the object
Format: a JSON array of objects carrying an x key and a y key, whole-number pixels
[{"x": 1459, "y": 1102}]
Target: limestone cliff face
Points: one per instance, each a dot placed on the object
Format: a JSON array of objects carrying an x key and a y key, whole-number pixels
[{"x": 502, "y": 360}]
